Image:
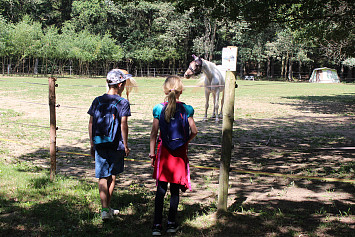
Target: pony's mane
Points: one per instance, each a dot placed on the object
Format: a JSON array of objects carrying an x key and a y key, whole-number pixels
[
  {"x": 209, "y": 65},
  {"x": 208, "y": 62}
]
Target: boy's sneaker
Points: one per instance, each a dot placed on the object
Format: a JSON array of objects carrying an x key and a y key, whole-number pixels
[
  {"x": 172, "y": 228},
  {"x": 106, "y": 215},
  {"x": 157, "y": 230},
  {"x": 113, "y": 212}
]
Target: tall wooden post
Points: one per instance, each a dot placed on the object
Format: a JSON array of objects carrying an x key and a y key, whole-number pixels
[
  {"x": 53, "y": 127},
  {"x": 227, "y": 129}
]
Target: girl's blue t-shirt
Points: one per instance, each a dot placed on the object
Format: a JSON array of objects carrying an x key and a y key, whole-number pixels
[{"x": 158, "y": 108}]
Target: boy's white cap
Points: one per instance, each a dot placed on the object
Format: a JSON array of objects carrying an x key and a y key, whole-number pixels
[{"x": 116, "y": 76}]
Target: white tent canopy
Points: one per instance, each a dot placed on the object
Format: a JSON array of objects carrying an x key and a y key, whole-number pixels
[{"x": 324, "y": 75}]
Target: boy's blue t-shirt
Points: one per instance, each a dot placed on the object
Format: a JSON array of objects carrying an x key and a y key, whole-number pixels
[
  {"x": 158, "y": 108},
  {"x": 123, "y": 110}
]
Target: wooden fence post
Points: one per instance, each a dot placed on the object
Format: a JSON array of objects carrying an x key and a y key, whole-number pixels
[
  {"x": 53, "y": 126},
  {"x": 227, "y": 129}
]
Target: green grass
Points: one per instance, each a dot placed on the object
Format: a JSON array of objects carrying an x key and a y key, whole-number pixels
[{"x": 291, "y": 119}]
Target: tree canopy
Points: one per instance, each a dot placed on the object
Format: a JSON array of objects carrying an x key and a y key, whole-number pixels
[{"x": 271, "y": 35}]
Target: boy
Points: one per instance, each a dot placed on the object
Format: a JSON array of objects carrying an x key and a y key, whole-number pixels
[{"x": 109, "y": 158}]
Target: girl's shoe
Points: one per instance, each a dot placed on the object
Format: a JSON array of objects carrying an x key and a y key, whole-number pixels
[
  {"x": 172, "y": 228},
  {"x": 157, "y": 230}
]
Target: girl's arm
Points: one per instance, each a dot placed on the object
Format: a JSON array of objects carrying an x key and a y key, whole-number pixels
[
  {"x": 124, "y": 129},
  {"x": 153, "y": 140},
  {"x": 193, "y": 129}
]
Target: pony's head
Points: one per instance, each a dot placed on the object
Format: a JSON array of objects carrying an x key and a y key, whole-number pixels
[{"x": 195, "y": 67}]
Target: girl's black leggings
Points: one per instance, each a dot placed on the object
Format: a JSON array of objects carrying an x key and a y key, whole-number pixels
[{"x": 159, "y": 201}]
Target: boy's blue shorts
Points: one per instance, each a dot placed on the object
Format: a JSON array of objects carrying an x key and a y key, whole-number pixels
[{"x": 108, "y": 162}]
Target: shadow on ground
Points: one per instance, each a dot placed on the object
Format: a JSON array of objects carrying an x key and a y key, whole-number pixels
[{"x": 259, "y": 205}]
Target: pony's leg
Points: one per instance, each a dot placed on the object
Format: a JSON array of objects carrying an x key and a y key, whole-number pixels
[
  {"x": 216, "y": 104},
  {"x": 207, "y": 95},
  {"x": 222, "y": 102}
]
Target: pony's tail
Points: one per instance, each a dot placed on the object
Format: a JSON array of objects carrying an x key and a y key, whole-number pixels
[
  {"x": 131, "y": 85},
  {"x": 171, "y": 107}
]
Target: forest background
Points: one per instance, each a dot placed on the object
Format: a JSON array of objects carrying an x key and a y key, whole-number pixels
[{"x": 276, "y": 39}]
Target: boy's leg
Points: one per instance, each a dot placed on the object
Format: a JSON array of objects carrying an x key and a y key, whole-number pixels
[
  {"x": 104, "y": 192},
  {"x": 159, "y": 201},
  {"x": 174, "y": 201},
  {"x": 110, "y": 186}
]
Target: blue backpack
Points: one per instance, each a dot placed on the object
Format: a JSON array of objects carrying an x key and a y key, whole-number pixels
[
  {"x": 176, "y": 133},
  {"x": 106, "y": 124}
]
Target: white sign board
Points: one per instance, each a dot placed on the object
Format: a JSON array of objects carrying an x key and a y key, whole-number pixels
[{"x": 229, "y": 58}]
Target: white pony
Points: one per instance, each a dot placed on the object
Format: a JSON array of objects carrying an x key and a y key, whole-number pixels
[{"x": 214, "y": 80}]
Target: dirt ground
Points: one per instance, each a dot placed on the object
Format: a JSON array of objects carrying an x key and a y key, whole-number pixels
[{"x": 293, "y": 141}]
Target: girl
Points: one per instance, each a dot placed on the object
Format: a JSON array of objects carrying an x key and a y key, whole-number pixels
[{"x": 170, "y": 166}]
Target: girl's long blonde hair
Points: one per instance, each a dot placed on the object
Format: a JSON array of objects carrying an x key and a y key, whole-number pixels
[{"x": 172, "y": 88}]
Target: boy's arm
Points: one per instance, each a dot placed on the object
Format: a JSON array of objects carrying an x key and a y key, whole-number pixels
[
  {"x": 92, "y": 150},
  {"x": 124, "y": 129},
  {"x": 153, "y": 139}
]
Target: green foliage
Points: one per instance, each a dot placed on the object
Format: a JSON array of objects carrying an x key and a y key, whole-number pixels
[
  {"x": 4, "y": 36},
  {"x": 349, "y": 62},
  {"x": 25, "y": 38},
  {"x": 91, "y": 15},
  {"x": 167, "y": 32}
]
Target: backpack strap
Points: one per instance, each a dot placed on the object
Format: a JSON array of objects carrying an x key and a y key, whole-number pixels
[
  {"x": 118, "y": 101},
  {"x": 164, "y": 104}
]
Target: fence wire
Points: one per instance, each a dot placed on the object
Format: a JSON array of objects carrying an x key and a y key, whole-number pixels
[{"x": 193, "y": 144}]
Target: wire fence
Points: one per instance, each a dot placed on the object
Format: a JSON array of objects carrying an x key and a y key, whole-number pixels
[
  {"x": 72, "y": 71},
  {"x": 218, "y": 146}
]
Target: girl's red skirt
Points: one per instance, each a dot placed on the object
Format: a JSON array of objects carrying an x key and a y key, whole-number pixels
[{"x": 172, "y": 166}]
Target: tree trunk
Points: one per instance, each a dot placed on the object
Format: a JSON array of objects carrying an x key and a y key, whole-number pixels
[
  {"x": 3, "y": 65},
  {"x": 46, "y": 68},
  {"x": 342, "y": 71},
  {"x": 299, "y": 69},
  {"x": 29, "y": 66},
  {"x": 259, "y": 66},
  {"x": 212, "y": 40},
  {"x": 36, "y": 66},
  {"x": 286, "y": 67},
  {"x": 350, "y": 73},
  {"x": 282, "y": 67},
  {"x": 290, "y": 69},
  {"x": 272, "y": 68},
  {"x": 210, "y": 35},
  {"x": 268, "y": 67}
]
